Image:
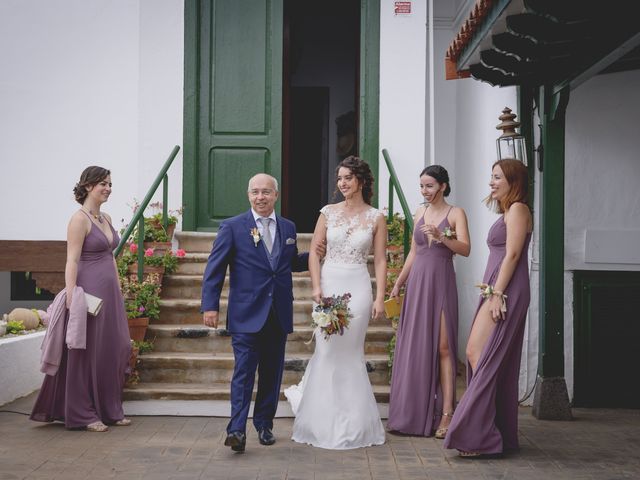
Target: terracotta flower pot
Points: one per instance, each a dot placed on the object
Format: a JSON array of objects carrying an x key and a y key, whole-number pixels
[
  {"x": 170, "y": 229},
  {"x": 138, "y": 328}
]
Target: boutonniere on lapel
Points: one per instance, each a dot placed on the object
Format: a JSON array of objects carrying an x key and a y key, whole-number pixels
[{"x": 255, "y": 235}]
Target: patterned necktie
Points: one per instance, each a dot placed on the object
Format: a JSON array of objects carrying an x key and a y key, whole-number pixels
[{"x": 266, "y": 233}]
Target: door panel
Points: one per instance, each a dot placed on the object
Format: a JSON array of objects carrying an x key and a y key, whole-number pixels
[
  {"x": 239, "y": 104},
  {"x": 239, "y": 81},
  {"x": 232, "y": 164}
]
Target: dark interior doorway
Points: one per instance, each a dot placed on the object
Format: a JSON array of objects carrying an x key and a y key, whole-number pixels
[
  {"x": 320, "y": 108},
  {"x": 606, "y": 336}
]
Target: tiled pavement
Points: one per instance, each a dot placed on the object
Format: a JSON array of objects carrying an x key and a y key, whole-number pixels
[{"x": 598, "y": 444}]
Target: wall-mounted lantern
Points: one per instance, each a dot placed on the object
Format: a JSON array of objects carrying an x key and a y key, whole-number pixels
[{"x": 510, "y": 144}]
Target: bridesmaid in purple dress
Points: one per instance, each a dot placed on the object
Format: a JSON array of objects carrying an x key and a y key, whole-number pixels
[
  {"x": 424, "y": 366},
  {"x": 86, "y": 392},
  {"x": 486, "y": 420}
]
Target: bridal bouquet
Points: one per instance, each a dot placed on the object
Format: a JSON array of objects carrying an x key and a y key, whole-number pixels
[{"x": 332, "y": 315}]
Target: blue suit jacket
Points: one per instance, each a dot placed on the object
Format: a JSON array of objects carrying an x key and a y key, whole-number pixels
[{"x": 254, "y": 285}]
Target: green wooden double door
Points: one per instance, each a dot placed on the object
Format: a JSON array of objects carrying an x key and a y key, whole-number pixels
[{"x": 233, "y": 104}]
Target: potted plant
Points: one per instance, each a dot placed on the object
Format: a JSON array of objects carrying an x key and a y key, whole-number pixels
[
  {"x": 155, "y": 235},
  {"x": 168, "y": 261},
  {"x": 153, "y": 264},
  {"x": 172, "y": 217},
  {"x": 142, "y": 304}
]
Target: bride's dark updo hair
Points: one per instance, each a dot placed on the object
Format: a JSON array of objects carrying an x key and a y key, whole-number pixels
[
  {"x": 441, "y": 176},
  {"x": 90, "y": 176},
  {"x": 361, "y": 170}
]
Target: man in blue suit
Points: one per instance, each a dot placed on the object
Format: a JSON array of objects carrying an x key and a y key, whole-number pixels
[{"x": 259, "y": 247}]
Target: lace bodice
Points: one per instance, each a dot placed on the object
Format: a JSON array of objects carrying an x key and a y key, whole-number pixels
[{"x": 349, "y": 239}]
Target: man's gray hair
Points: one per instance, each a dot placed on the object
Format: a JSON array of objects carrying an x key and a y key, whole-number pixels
[{"x": 273, "y": 179}]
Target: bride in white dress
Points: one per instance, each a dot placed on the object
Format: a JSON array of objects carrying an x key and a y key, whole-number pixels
[{"x": 334, "y": 403}]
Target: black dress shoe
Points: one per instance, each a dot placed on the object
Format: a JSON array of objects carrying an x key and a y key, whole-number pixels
[
  {"x": 236, "y": 440},
  {"x": 265, "y": 437}
]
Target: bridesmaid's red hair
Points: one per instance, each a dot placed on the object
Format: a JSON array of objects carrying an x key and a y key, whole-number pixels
[{"x": 517, "y": 176}]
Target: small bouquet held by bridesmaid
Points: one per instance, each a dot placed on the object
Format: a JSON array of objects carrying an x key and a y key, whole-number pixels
[
  {"x": 332, "y": 315},
  {"x": 488, "y": 291}
]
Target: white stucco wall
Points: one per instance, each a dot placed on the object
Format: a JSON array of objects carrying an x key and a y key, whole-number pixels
[
  {"x": 85, "y": 83},
  {"x": 603, "y": 170},
  {"x": 20, "y": 366},
  {"x": 403, "y": 77},
  {"x": 478, "y": 107}
]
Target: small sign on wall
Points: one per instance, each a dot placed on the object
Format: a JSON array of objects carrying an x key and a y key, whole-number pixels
[{"x": 402, "y": 8}]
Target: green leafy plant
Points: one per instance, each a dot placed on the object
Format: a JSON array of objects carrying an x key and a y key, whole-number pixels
[
  {"x": 154, "y": 230},
  {"x": 169, "y": 261},
  {"x": 391, "y": 348},
  {"x": 143, "y": 346},
  {"x": 15, "y": 326},
  {"x": 395, "y": 230},
  {"x": 142, "y": 299}
]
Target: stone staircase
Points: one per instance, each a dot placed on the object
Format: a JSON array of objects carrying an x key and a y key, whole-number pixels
[{"x": 193, "y": 362}]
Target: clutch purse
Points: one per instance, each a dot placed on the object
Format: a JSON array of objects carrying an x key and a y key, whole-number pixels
[
  {"x": 94, "y": 304},
  {"x": 392, "y": 307}
]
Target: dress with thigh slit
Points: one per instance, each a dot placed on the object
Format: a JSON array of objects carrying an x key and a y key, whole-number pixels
[
  {"x": 486, "y": 419},
  {"x": 415, "y": 405}
]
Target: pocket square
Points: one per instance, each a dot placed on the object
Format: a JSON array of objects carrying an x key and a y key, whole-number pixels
[{"x": 290, "y": 241}]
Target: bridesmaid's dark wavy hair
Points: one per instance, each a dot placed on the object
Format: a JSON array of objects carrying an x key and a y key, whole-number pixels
[
  {"x": 517, "y": 176},
  {"x": 90, "y": 176},
  {"x": 362, "y": 171},
  {"x": 440, "y": 174}
]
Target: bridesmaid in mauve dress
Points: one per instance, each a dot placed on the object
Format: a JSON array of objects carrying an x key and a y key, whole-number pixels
[
  {"x": 424, "y": 366},
  {"x": 86, "y": 391},
  {"x": 486, "y": 420}
]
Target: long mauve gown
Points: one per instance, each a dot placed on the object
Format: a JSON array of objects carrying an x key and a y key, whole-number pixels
[
  {"x": 88, "y": 385},
  {"x": 415, "y": 405},
  {"x": 486, "y": 419}
]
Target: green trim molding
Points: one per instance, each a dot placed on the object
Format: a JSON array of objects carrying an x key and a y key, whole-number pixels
[{"x": 369, "y": 141}]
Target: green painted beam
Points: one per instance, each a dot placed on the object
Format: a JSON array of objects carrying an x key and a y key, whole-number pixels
[
  {"x": 525, "y": 117},
  {"x": 551, "y": 300},
  {"x": 368, "y": 142},
  {"x": 190, "y": 119}
]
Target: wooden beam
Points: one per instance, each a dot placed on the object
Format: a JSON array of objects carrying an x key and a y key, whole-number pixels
[
  {"x": 32, "y": 255},
  {"x": 481, "y": 32},
  {"x": 603, "y": 62},
  {"x": 546, "y": 29},
  {"x": 451, "y": 72}
]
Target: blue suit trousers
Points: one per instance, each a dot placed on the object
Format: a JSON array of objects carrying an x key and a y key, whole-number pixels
[{"x": 263, "y": 351}]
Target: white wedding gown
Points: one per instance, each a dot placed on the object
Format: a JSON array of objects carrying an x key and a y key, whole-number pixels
[{"x": 334, "y": 403}]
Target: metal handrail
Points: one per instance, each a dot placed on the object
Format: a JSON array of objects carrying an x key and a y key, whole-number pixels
[
  {"x": 394, "y": 184},
  {"x": 138, "y": 216}
]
